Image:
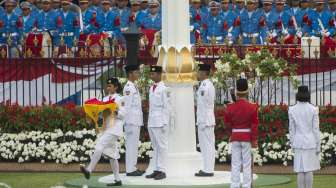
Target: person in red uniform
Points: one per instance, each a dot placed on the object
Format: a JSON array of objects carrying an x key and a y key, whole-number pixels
[{"x": 241, "y": 117}]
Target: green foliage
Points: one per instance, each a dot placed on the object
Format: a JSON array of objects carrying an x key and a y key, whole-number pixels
[{"x": 256, "y": 65}]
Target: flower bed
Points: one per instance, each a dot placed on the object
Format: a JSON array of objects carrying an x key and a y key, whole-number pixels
[{"x": 62, "y": 135}]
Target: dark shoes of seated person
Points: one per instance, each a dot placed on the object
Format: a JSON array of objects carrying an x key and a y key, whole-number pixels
[
  {"x": 152, "y": 175},
  {"x": 116, "y": 183},
  {"x": 84, "y": 171},
  {"x": 135, "y": 173},
  {"x": 204, "y": 174}
]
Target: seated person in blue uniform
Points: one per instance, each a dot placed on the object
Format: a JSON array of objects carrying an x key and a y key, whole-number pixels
[
  {"x": 153, "y": 18},
  {"x": 324, "y": 21},
  {"x": 213, "y": 25},
  {"x": 111, "y": 20},
  {"x": 11, "y": 28},
  {"x": 69, "y": 30},
  {"x": 124, "y": 14},
  {"x": 29, "y": 19},
  {"x": 231, "y": 29},
  {"x": 253, "y": 25}
]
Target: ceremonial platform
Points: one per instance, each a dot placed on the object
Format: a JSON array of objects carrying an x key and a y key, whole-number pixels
[{"x": 221, "y": 179}]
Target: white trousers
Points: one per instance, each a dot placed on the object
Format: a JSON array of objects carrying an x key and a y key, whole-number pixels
[
  {"x": 241, "y": 157},
  {"x": 107, "y": 140},
  {"x": 159, "y": 139},
  {"x": 305, "y": 180},
  {"x": 206, "y": 137},
  {"x": 132, "y": 134}
]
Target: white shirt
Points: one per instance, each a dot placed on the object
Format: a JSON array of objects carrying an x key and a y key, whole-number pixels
[
  {"x": 115, "y": 125},
  {"x": 133, "y": 105},
  {"x": 249, "y": 14},
  {"x": 206, "y": 95},
  {"x": 25, "y": 18},
  {"x": 304, "y": 130},
  {"x": 225, "y": 13},
  {"x": 159, "y": 105},
  {"x": 295, "y": 9},
  {"x": 153, "y": 17}
]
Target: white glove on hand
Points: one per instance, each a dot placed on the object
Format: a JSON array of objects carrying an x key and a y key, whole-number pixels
[
  {"x": 322, "y": 32},
  {"x": 299, "y": 34},
  {"x": 229, "y": 36},
  {"x": 327, "y": 34},
  {"x": 284, "y": 32},
  {"x": 274, "y": 34}
]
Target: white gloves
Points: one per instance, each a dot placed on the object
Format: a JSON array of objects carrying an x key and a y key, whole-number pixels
[
  {"x": 299, "y": 34},
  {"x": 284, "y": 32},
  {"x": 325, "y": 33}
]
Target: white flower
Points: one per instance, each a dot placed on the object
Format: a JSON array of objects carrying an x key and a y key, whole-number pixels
[
  {"x": 258, "y": 72},
  {"x": 21, "y": 160},
  {"x": 276, "y": 145},
  {"x": 285, "y": 163}
]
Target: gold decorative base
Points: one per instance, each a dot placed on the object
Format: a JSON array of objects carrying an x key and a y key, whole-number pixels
[
  {"x": 179, "y": 66},
  {"x": 180, "y": 77}
]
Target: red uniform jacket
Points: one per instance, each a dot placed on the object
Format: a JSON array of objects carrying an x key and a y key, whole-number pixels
[{"x": 241, "y": 118}]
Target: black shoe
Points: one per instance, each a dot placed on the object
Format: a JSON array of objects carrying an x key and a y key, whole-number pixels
[
  {"x": 135, "y": 173},
  {"x": 204, "y": 174},
  {"x": 85, "y": 172},
  {"x": 160, "y": 176},
  {"x": 152, "y": 175},
  {"x": 116, "y": 183}
]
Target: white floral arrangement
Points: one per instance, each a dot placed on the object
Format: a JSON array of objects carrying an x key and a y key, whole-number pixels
[
  {"x": 78, "y": 146},
  {"x": 57, "y": 146}
]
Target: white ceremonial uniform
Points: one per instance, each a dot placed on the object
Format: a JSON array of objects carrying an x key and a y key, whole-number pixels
[
  {"x": 133, "y": 123},
  {"x": 158, "y": 123},
  {"x": 107, "y": 143},
  {"x": 304, "y": 136},
  {"x": 206, "y": 124}
]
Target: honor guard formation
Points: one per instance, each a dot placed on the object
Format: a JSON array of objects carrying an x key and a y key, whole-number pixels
[{"x": 241, "y": 118}]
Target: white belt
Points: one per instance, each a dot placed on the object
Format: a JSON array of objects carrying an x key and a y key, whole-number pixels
[
  {"x": 217, "y": 38},
  {"x": 241, "y": 130},
  {"x": 67, "y": 34},
  {"x": 250, "y": 35},
  {"x": 10, "y": 34}
]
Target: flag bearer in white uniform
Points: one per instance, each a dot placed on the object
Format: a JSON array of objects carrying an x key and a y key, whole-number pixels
[
  {"x": 304, "y": 136},
  {"x": 241, "y": 117},
  {"x": 206, "y": 121},
  {"x": 107, "y": 144},
  {"x": 133, "y": 120},
  {"x": 158, "y": 122}
]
